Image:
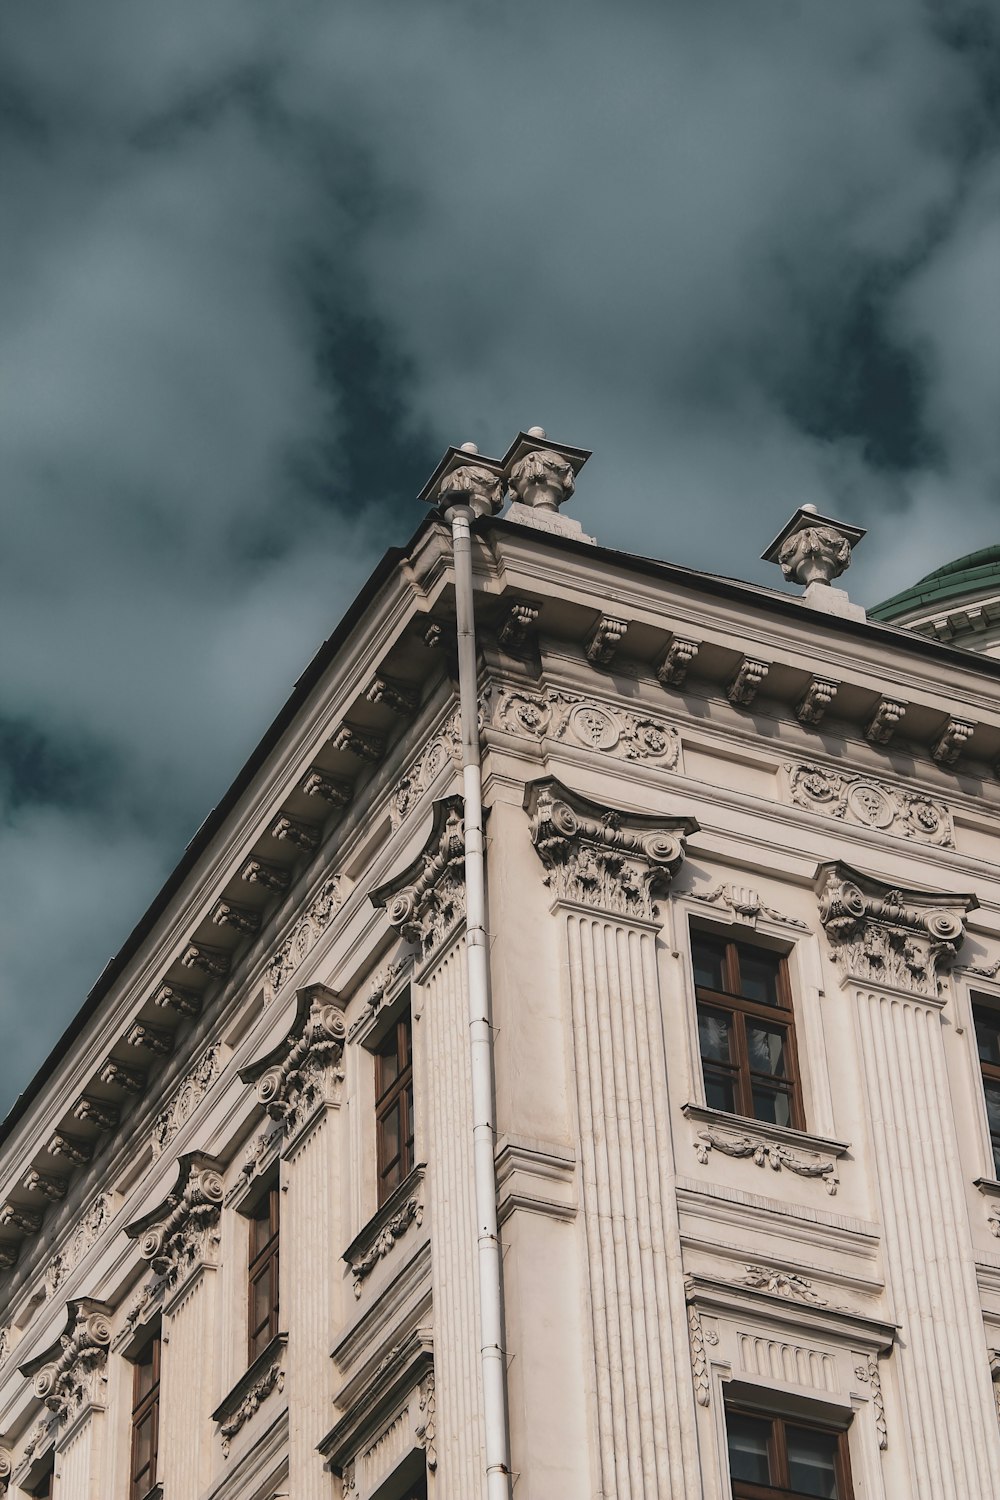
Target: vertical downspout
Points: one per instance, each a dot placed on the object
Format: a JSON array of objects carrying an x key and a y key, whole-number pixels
[{"x": 460, "y": 515}]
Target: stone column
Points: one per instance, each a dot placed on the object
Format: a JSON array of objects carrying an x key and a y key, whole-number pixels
[
  {"x": 180, "y": 1241},
  {"x": 427, "y": 905},
  {"x": 893, "y": 946},
  {"x": 605, "y": 870}
]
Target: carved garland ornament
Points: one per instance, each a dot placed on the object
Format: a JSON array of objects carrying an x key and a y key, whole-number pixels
[
  {"x": 306, "y": 1067},
  {"x": 872, "y": 804},
  {"x": 426, "y": 902},
  {"x": 773, "y": 1154},
  {"x": 272, "y": 1379},
  {"x": 445, "y": 746},
  {"x": 185, "y": 1098},
  {"x": 302, "y": 938},
  {"x": 564, "y": 716},
  {"x": 412, "y": 1212},
  {"x": 882, "y": 934},
  {"x": 781, "y": 1284},
  {"x": 613, "y": 861},
  {"x": 746, "y": 903}
]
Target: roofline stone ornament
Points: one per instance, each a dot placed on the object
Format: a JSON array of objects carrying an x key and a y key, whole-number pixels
[
  {"x": 610, "y": 860},
  {"x": 305, "y": 1067},
  {"x": 890, "y": 935},
  {"x": 426, "y": 902},
  {"x": 464, "y": 477},
  {"x": 542, "y": 477},
  {"x": 813, "y": 550}
]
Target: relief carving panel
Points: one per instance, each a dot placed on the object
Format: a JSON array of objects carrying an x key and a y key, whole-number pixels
[{"x": 871, "y": 804}]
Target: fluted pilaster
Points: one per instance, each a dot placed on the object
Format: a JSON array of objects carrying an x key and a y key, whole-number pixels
[
  {"x": 605, "y": 871},
  {"x": 907, "y": 940},
  {"x": 458, "y": 1382},
  {"x": 189, "y": 1384},
  {"x": 310, "y": 1285}
]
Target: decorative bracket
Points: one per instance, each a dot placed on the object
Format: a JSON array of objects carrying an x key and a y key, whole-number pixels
[{"x": 181, "y": 1232}]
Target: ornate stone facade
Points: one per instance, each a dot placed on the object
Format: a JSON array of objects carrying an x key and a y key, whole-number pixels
[{"x": 660, "y": 865}]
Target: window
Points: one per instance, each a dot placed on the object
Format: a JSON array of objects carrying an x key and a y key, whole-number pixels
[
  {"x": 394, "y": 1106},
  {"x": 745, "y": 1030},
  {"x": 43, "y": 1487},
  {"x": 417, "y": 1491},
  {"x": 771, "y": 1458},
  {"x": 262, "y": 1319},
  {"x": 145, "y": 1419},
  {"x": 987, "y": 1020}
]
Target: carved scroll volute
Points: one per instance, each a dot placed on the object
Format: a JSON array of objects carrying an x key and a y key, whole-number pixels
[
  {"x": 426, "y": 903},
  {"x": 890, "y": 935},
  {"x": 612, "y": 861},
  {"x": 304, "y": 1069},
  {"x": 181, "y": 1234},
  {"x": 64, "y": 1376}
]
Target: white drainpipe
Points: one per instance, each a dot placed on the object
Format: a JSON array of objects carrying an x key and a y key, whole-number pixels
[{"x": 460, "y": 512}]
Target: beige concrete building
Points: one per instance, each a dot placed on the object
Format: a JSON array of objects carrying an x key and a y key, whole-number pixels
[{"x": 742, "y": 900}]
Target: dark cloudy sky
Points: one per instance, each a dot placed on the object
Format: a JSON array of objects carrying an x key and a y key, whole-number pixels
[{"x": 259, "y": 263}]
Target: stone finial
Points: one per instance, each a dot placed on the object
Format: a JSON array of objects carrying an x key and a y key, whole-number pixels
[
  {"x": 542, "y": 477},
  {"x": 813, "y": 550},
  {"x": 465, "y": 477}
]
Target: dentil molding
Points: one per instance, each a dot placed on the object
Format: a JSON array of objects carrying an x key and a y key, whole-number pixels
[
  {"x": 612, "y": 861},
  {"x": 890, "y": 935}
]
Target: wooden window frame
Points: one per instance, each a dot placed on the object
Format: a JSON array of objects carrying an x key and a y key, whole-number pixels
[
  {"x": 147, "y": 1405},
  {"x": 989, "y": 1072},
  {"x": 264, "y": 1262},
  {"x": 398, "y": 1091},
  {"x": 740, "y": 1008},
  {"x": 777, "y": 1449}
]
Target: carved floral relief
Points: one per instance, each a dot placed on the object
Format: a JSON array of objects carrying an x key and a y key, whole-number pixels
[
  {"x": 582, "y": 721},
  {"x": 302, "y": 938},
  {"x": 185, "y": 1098},
  {"x": 872, "y": 804}
]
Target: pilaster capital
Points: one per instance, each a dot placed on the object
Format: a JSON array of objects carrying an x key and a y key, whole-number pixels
[
  {"x": 182, "y": 1232},
  {"x": 890, "y": 935},
  {"x": 426, "y": 902},
  {"x": 67, "y": 1375},
  {"x": 614, "y": 861},
  {"x": 304, "y": 1069}
]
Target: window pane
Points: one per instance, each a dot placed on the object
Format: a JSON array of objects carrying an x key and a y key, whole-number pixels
[
  {"x": 389, "y": 1134},
  {"x": 260, "y": 1305},
  {"x": 708, "y": 958},
  {"x": 748, "y": 1440},
  {"x": 766, "y": 1049},
  {"x": 987, "y": 1033},
  {"x": 714, "y": 1034},
  {"x": 720, "y": 1093},
  {"x": 774, "y": 1105},
  {"x": 388, "y": 1065},
  {"x": 759, "y": 975},
  {"x": 143, "y": 1449},
  {"x": 812, "y": 1462},
  {"x": 143, "y": 1377},
  {"x": 993, "y": 1104}
]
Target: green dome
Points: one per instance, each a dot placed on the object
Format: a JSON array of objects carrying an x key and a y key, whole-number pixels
[{"x": 975, "y": 573}]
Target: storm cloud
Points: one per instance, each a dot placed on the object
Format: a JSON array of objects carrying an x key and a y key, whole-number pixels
[{"x": 259, "y": 264}]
